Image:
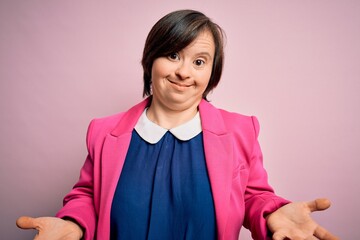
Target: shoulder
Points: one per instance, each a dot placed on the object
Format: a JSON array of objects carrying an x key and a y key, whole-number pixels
[
  {"x": 107, "y": 123},
  {"x": 239, "y": 122},
  {"x": 217, "y": 118},
  {"x": 99, "y": 128},
  {"x": 117, "y": 124}
]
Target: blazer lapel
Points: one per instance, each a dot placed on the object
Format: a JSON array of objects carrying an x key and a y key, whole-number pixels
[
  {"x": 218, "y": 147},
  {"x": 114, "y": 150},
  {"x": 117, "y": 143}
]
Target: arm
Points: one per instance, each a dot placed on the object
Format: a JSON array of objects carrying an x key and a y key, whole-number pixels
[
  {"x": 77, "y": 218},
  {"x": 260, "y": 199},
  {"x": 268, "y": 214},
  {"x": 79, "y": 203}
]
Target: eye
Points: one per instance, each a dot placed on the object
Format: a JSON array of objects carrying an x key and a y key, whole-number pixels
[
  {"x": 199, "y": 62},
  {"x": 174, "y": 56}
]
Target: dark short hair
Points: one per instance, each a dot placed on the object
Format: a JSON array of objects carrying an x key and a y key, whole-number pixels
[{"x": 174, "y": 32}]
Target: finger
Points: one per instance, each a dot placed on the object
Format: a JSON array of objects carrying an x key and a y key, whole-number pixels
[
  {"x": 323, "y": 234},
  {"x": 312, "y": 238},
  {"x": 319, "y": 204},
  {"x": 25, "y": 222},
  {"x": 279, "y": 236}
]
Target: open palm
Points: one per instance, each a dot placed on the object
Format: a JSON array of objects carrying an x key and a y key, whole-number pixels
[
  {"x": 51, "y": 228},
  {"x": 293, "y": 221}
]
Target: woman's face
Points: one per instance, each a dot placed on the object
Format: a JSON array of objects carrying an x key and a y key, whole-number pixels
[{"x": 180, "y": 79}]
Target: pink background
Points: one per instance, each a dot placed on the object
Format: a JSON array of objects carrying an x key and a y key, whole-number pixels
[{"x": 294, "y": 64}]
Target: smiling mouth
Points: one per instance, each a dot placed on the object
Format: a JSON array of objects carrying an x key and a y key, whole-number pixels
[{"x": 179, "y": 84}]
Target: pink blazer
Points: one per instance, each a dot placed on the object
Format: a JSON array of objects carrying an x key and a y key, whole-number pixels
[{"x": 242, "y": 195}]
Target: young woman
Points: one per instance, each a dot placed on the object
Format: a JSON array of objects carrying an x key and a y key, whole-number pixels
[{"x": 174, "y": 166}]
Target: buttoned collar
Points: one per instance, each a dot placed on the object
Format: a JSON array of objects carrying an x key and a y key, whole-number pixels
[{"x": 152, "y": 133}]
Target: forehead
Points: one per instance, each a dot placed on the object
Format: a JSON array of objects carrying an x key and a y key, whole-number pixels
[{"x": 204, "y": 42}]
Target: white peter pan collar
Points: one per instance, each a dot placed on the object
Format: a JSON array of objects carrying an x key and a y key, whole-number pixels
[{"x": 152, "y": 133}]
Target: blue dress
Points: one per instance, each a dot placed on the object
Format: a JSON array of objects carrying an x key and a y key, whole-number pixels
[{"x": 163, "y": 191}]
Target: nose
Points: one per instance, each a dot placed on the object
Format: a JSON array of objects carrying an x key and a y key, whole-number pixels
[{"x": 183, "y": 70}]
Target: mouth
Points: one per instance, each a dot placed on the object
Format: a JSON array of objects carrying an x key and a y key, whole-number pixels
[{"x": 182, "y": 85}]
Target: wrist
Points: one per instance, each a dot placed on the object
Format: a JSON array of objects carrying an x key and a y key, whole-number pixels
[{"x": 76, "y": 227}]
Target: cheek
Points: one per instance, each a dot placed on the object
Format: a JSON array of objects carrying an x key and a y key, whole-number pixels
[
  {"x": 206, "y": 79},
  {"x": 160, "y": 68},
  {"x": 154, "y": 72}
]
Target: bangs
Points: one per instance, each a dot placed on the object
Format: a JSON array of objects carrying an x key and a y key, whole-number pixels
[{"x": 176, "y": 32}]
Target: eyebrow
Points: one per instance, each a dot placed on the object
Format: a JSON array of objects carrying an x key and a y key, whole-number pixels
[{"x": 204, "y": 53}]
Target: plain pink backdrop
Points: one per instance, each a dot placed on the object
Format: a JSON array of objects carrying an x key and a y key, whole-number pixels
[{"x": 293, "y": 64}]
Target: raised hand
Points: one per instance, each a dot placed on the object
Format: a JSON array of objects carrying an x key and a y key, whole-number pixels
[
  {"x": 293, "y": 221},
  {"x": 51, "y": 228}
]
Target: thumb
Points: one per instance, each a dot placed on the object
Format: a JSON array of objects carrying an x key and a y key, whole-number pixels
[
  {"x": 25, "y": 222},
  {"x": 319, "y": 204}
]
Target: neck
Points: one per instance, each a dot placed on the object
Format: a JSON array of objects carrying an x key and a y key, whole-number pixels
[{"x": 169, "y": 118}]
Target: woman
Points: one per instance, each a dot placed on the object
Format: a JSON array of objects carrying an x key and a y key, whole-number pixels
[{"x": 174, "y": 166}]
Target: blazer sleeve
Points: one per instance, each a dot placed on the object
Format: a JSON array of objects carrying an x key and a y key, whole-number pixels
[
  {"x": 260, "y": 199},
  {"x": 79, "y": 203}
]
